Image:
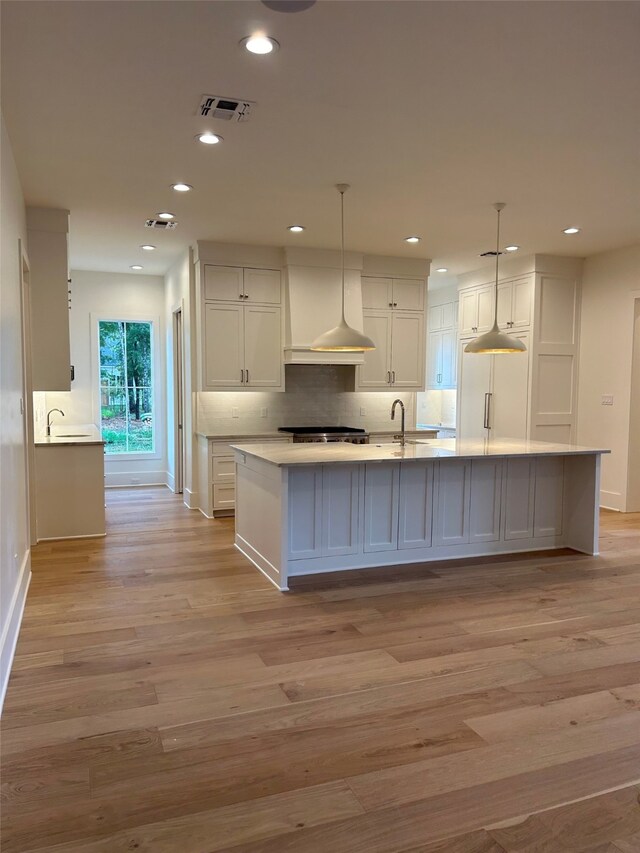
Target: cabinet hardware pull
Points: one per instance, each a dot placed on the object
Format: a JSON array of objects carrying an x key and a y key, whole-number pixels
[
  {"x": 395, "y": 304},
  {"x": 388, "y": 377},
  {"x": 391, "y": 305},
  {"x": 487, "y": 410},
  {"x": 247, "y": 376},
  {"x": 393, "y": 377},
  {"x": 242, "y": 376}
]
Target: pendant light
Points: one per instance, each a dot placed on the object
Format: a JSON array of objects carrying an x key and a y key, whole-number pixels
[
  {"x": 496, "y": 341},
  {"x": 342, "y": 338}
]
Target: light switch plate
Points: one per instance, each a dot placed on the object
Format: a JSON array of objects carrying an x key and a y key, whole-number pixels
[
  {"x": 235, "y": 412},
  {"x": 363, "y": 411},
  {"x": 263, "y": 412},
  {"x": 607, "y": 399}
]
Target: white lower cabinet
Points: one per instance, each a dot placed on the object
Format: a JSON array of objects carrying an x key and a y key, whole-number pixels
[
  {"x": 549, "y": 494},
  {"x": 518, "y": 498},
  {"x": 485, "y": 491},
  {"x": 323, "y": 519},
  {"x": 451, "y": 522},
  {"x": 416, "y": 506},
  {"x": 381, "y": 487}
]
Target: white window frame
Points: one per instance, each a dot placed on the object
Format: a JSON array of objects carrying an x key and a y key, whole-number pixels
[{"x": 156, "y": 371}]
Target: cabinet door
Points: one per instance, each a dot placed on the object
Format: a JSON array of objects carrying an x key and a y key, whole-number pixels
[
  {"x": 381, "y": 506},
  {"x": 376, "y": 370},
  {"x": 408, "y": 294},
  {"x": 485, "y": 489},
  {"x": 377, "y": 292},
  {"x": 435, "y": 319},
  {"x": 519, "y": 490},
  {"x": 407, "y": 350},
  {"x": 547, "y": 514},
  {"x": 223, "y": 355},
  {"x": 509, "y": 411},
  {"x": 505, "y": 305},
  {"x": 486, "y": 308},
  {"x": 522, "y": 303},
  {"x": 449, "y": 315},
  {"x": 448, "y": 360},
  {"x": 339, "y": 509},
  {"x": 262, "y": 347},
  {"x": 224, "y": 495},
  {"x": 434, "y": 360},
  {"x": 262, "y": 286},
  {"x": 475, "y": 382},
  {"x": 416, "y": 505},
  {"x": 305, "y": 512},
  {"x": 451, "y": 518},
  {"x": 468, "y": 313},
  {"x": 222, "y": 283}
]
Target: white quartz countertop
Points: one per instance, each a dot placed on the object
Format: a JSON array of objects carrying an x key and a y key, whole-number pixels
[
  {"x": 233, "y": 436},
  {"x": 70, "y": 435},
  {"x": 414, "y": 451}
]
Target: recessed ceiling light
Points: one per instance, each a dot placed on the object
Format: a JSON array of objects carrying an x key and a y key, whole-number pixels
[
  {"x": 209, "y": 138},
  {"x": 148, "y": 247},
  {"x": 295, "y": 228},
  {"x": 511, "y": 248},
  {"x": 136, "y": 267},
  {"x": 572, "y": 230},
  {"x": 181, "y": 188},
  {"x": 260, "y": 44},
  {"x": 442, "y": 269},
  {"x": 165, "y": 215},
  {"x": 412, "y": 239}
]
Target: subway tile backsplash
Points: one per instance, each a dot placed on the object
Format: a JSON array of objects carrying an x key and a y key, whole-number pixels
[{"x": 315, "y": 395}]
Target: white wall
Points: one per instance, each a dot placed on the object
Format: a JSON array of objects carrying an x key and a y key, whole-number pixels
[
  {"x": 610, "y": 282},
  {"x": 15, "y": 568},
  {"x": 114, "y": 296},
  {"x": 178, "y": 295}
]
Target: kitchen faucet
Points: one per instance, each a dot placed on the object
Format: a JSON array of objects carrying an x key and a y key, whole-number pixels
[
  {"x": 393, "y": 416},
  {"x": 49, "y": 413}
]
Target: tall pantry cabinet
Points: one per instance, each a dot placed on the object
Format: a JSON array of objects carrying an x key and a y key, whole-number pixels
[{"x": 529, "y": 395}]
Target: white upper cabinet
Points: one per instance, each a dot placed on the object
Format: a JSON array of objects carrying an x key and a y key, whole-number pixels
[
  {"x": 515, "y": 303},
  {"x": 403, "y": 294},
  {"x": 476, "y": 310},
  {"x": 442, "y": 317},
  {"x": 241, "y": 329},
  {"x": 376, "y": 370},
  {"x": 441, "y": 346},
  {"x": 398, "y": 359},
  {"x": 229, "y": 284}
]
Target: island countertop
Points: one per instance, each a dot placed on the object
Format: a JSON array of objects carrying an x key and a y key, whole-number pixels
[
  {"x": 62, "y": 435},
  {"x": 413, "y": 451}
]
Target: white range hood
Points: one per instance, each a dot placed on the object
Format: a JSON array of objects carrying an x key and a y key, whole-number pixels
[{"x": 313, "y": 294}]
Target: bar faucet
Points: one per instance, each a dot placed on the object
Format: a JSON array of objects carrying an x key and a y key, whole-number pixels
[
  {"x": 49, "y": 413},
  {"x": 393, "y": 417}
]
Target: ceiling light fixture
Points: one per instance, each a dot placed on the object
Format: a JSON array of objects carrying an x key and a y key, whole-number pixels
[
  {"x": 412, "y": 239},
  {"x": 147, "y": 247},
  {"x": 209, "y": 138},
  {"x": 295, "y": 228},
  {"x": 572, "y": 230},
  {"x": 511, "y": 248},
  {"x": 181, "y": 188},
  {"x": 135, "y": 267},
  {"x": 442, "y": 269},
  {"x": 495, "y": 341},
  {"x": 342, "y": 338},
  {"x": 260, "y": 44},
  {"x": 165, "y": 215}
]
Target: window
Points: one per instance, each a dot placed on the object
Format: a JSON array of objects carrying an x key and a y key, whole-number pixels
[{"x": 126, "y": 386}]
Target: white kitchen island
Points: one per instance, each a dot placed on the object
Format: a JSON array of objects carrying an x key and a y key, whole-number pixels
[{"x": 306, "y": 509}]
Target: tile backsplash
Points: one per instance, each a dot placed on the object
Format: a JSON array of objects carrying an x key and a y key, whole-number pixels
[
  {"x": 437, "y": 407},
  {"x": 315, "y": 395}
]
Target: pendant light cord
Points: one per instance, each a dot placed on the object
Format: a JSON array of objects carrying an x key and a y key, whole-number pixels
[
  {"x": 495, "y": 319},
  {"x": 342, "y": 246}
]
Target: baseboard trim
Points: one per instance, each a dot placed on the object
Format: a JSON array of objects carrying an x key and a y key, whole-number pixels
[
  {"x": 611, "y": 500},
  {"x": 138, "y": 486},
  {"x": 80, "y": 536},
  {"x": 11, "y": 630},
  {"x": 191, "y": 499},
  {"x": 171, "y": 481}
]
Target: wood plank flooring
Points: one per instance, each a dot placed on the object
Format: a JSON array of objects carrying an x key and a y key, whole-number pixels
[{"x": 166, "y": 698}]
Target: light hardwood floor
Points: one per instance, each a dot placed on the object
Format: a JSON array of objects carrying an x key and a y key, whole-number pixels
[{"x": 166, "y": 698}]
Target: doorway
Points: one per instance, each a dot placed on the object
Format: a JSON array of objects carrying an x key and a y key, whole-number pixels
[
  {"x": 178, "y": 403},
  {"x": 27, "y": 400},
  {"x": 633, "y": 476}
]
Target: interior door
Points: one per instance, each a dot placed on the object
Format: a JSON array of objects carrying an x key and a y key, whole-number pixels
[
  {"x": 509, "y": 411},
  {"x": 376, "y": 370},
  {"x": 262, "y": 346},
  {"x": 475, "y": 384},
  {"x": 223, "y": 345},
  {"x": 178, "y": 403}
]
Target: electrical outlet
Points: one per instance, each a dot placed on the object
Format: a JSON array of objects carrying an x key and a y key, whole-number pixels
[
  {"x": 607, "y": 399},
  {"x": 235, "y": 412},
  {"x": 363, "y": 411},
  {"x": 263, "y": 412}
]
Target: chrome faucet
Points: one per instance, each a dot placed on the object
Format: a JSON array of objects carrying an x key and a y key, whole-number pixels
[
  {"x": 393, "y": 416},
  {"x": 49, "y": 413}
]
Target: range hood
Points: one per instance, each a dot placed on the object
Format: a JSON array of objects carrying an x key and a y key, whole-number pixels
[{"x": 313, "y": 293}]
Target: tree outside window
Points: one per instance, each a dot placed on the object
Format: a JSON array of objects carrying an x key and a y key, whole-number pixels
[{"x": 126, "y": 386}]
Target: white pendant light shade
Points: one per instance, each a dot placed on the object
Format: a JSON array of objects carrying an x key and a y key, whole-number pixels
[
  {"x": 342, "y": 338},
  {"x": 494, "y": 341}
]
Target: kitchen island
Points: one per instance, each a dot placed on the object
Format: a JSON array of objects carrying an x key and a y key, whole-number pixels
[{"x": 316, "y": 508}]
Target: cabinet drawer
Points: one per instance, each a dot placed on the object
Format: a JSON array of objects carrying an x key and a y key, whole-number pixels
[
  {"x": 224, "y": 469},
  {"x": 224, "y": 496}
]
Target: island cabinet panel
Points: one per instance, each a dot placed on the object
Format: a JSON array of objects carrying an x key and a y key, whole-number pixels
[
  {"x": 453, "y": 495},
  {"x": 485, "y": 500},
  {"x": 415, "y": 506},
  {"x": 339, "y": 510},
  {"x": 548, "y": 510},
  {"x": 305, "y": 512},
  {"x": 518, "y": 497},
  {"x": 381, "y": 488}
]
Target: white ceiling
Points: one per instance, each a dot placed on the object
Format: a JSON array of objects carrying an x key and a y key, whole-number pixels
[{"x": 430, "y": 110}]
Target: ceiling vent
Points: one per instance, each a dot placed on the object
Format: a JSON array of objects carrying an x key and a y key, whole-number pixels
[
  {"x": 490, "y": 254},
  {"x": 161, "y": 224},
  {"x": 227, "y": 109}
]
